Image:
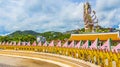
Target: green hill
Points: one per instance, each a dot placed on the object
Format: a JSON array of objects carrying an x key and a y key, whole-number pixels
[
  {"x": 23, "y": 33},
  {"x": 29, "y": 35}
]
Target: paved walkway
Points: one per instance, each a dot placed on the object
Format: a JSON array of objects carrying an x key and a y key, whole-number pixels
[
  {"x": 63, "y": 61},
  {"x": 11, "y": 61}
]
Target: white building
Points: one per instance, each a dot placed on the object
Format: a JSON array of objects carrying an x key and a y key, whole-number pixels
[{"x": 41, "y": 38}]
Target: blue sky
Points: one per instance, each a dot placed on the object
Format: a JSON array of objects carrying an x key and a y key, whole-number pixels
[{"x": 54, "y": 15}]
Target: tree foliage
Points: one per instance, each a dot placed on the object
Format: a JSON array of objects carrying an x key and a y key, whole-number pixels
[{"x": 29, "y": 35}]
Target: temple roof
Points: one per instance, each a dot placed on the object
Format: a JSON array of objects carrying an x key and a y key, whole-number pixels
[{"x": 92, "y": 36}]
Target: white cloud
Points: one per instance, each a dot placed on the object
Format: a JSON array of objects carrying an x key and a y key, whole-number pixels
[
  {"x": 108, "y": 12},
  {"x": 53, "y": 15},
  {"x": 119, "y": 26},
  {"x": 40, "y": 15}
]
